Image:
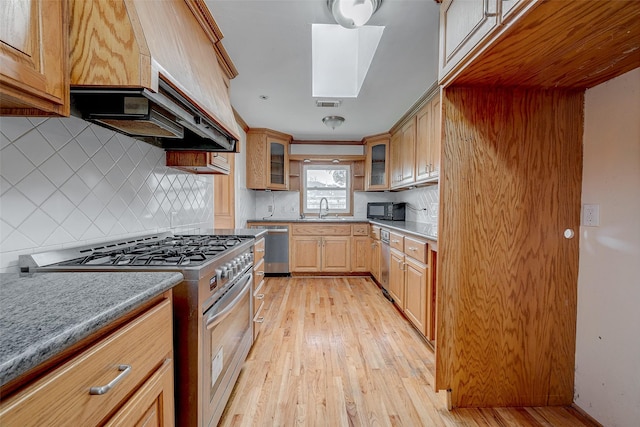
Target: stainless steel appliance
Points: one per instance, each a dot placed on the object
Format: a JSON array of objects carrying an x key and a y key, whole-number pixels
[
  {"x": 386, "y": 211},
  {"x": 213, "y": 313},
  {"x": 385, "y": 262},
  {"x": 276, "y": 254}
]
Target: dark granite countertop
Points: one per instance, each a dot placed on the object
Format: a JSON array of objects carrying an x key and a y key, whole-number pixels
[
  {"x": 43, "y": 315},
  {"x": 419, "y": 229}
]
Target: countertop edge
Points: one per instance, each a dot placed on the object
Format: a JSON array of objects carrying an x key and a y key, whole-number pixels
[
  {"x": 387, "y": 224},
  {"x": 41, "y": 351}
]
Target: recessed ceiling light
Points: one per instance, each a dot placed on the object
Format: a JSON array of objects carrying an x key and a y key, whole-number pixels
[{"x": 263, "y": 97}]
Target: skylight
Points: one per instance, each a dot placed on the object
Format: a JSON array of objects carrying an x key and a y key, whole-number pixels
[{"x": 341, "y": 58}]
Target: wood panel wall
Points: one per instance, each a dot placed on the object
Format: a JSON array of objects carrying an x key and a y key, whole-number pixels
[{"x": 510, "y": 185}]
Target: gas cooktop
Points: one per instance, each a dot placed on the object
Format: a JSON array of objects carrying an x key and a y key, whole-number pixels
[
  {"x": 161, "y": 250},
  {"x": 173, "y": 250}
]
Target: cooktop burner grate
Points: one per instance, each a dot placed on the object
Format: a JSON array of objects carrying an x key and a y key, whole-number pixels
[{"x": 181, "y": 250}]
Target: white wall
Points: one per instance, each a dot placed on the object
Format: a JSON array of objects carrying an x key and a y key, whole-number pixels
[
  {"x": 607, "y": 379},
  {"x": 65, "y": 182}
]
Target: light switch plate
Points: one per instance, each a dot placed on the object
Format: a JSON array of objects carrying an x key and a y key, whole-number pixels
[{"x": 591, "y": 215}]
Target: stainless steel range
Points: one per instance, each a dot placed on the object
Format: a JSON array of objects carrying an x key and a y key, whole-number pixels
[{"x": 213, "y": 312}]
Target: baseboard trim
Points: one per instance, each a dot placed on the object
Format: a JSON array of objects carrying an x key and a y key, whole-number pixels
[{"x": 584, "y": 414}]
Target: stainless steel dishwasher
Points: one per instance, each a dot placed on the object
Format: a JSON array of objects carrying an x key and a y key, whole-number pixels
[
  {"x": 276, "y": 250},
  {"x": 385, "y": 261}
]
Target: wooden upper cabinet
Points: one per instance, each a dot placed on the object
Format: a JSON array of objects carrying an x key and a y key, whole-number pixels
[
  {"x": 535, "y": 43},
  {"x": 435, "y": 137},
  {"x": 200, "y": 162},
  {"x": 34, "y": 77},
  {"x": 423, "y": 142},
  {"x": 267, "y": 160},
  {"x": 134, "y": 43},
  {"x": 377, "y": 163},
  {"x": 396, "y": 160},
  {"x": 403, "y": 147},
  {"x": 463, "y": 24}
]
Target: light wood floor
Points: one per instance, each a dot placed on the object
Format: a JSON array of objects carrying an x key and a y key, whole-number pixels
[{"x": 334, "y": 352}]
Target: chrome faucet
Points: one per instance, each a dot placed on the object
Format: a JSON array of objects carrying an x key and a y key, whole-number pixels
[{"x": 327, "y": 212}]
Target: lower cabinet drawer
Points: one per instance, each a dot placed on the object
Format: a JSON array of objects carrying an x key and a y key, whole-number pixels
[
  {"x": 258, "y": 318},
  {"x": 66, "y": 396}
]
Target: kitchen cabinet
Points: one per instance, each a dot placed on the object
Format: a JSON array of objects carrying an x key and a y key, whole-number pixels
[
  {"x": 409, "y": 281},
  {"x": 526, "y": 80},
  {"x": 143, "y": 393},
  {"x": 377, "y": 162},
  {"x": 327, "y": 247},
  {"x": 361, "y": 248},
  {"x": 396, "y": 278},
  {"x": 463, "y": 25},
  {"x": 267, "y": 160},
  {"x": 306, "y": 254},
  {"x": 137, "y": 43},
  {"x": 224, "y": 193},
  {"x": 259, "y": 287},
  {"x": 395, "y": 149},
  {"x": 199, "y": 162},
  {"x": 320, "y": 254},
  {"x": 34, "y": 76},
  {"x": 403, "y": 148},
  {"x": 428, "y": 141},
  {"x": 336, "y": 254},
  {"x": 416, "y": 297}
]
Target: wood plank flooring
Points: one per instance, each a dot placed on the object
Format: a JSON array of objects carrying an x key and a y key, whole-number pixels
[{"x": 334, "y": 352}]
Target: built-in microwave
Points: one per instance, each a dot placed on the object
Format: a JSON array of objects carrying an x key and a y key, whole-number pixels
[{"x": 386, "y": 210}]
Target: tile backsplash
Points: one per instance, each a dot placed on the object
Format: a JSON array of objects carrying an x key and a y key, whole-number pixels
[
  {"x": 423, "y": 203},
  {"x": 65, "y": 182}
]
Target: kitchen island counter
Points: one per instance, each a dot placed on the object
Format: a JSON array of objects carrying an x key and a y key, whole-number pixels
[{"x": 44, "y": 315}]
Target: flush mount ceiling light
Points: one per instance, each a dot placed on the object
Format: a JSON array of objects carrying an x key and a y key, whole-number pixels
[
  {"x": 333, "y": 121},
  {"x": 353, "y": 13}
]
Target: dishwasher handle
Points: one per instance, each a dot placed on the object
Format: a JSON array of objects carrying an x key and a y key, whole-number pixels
[{"x": 277, "y": 230}]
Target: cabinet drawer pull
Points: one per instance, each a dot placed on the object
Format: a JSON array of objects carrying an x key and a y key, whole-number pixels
[
  {"x": 259, "y": 250},
  {"x": 259, "y": 273},
  {"x": 105, "y": 388},
  {"x": 395, "y": 241},
  {"x": 413, "y": 249},
  {"x": 259, "y": 296},
  {"x": 259, "y": 319}
]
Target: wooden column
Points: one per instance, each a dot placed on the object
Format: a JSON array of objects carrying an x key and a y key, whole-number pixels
[{"x": 507, "y": 281}]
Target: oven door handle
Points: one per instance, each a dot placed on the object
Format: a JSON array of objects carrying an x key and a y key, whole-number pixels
[{"x": 216, "y": 318}]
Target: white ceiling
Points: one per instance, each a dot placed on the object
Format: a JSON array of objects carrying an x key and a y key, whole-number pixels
[{"x": 269, "y": 41}]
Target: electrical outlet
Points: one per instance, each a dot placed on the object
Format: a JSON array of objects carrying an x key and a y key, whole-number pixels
[
  {"x": 591, "y": 215},
  {"x": 270, "y": 208}
]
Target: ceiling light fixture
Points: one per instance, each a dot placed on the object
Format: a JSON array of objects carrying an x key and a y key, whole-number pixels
[
  {"x": 353, "y": 13},
  {"x": 333, "y": 121}
]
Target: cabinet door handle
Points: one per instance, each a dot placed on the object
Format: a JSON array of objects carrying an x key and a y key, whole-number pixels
[
  {"x": 259, "y": 273},
  {"x": 259, "y": 250},
  {"x": 259, "y": 296},
  {"x": 103, "y": 389},
  {"x": 259, "y": 319}
]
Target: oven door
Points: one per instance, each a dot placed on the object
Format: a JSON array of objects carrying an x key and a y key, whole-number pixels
[{"x": 228, "y": 335}]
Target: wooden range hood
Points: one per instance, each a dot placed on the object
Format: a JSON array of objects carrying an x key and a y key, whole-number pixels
[{"x": 137, "y": 46}]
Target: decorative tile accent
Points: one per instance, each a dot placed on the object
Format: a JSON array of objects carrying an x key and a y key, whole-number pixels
[{"x": 65, "y": 182}]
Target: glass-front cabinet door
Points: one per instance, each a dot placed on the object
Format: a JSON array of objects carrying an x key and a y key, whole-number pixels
[
  {"x": 267, "y": 160},
  {"x": 277, "y": 160},
  {"x": 377, "y": 163},
  {"x": 277, "y": 163}
]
